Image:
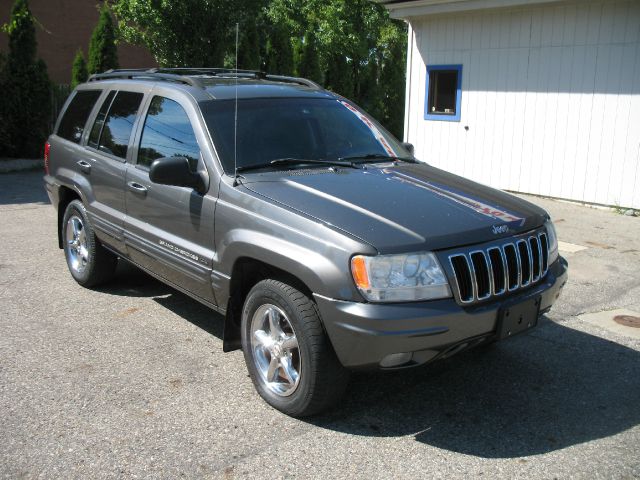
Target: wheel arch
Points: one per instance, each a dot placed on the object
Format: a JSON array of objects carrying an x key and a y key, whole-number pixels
[
  {"x": 245, "y": 274},
  {"x": 66, "y": 196}
]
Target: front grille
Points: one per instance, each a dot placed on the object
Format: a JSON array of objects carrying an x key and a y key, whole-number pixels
[{"x": 483, "y": 273}]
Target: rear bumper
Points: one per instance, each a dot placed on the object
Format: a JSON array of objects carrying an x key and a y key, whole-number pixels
[{"x": 363, "y": 334}]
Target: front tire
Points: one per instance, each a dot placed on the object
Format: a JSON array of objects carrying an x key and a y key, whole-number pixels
[
  {"x": 90, "y": 264},
  {"x": 289, "y": 357}
]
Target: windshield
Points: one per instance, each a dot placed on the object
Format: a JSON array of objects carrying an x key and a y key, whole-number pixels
[{"x": 295, "y": 128}]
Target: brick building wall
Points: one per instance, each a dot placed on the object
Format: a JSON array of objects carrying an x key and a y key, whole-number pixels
[{"x": 63, "y": 27}]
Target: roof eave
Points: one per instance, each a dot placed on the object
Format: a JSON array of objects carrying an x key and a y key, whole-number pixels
[{"x": 418, "y": 8}]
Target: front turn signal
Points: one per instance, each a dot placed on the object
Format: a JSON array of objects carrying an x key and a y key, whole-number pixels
[{"x": 359, "y": 271}]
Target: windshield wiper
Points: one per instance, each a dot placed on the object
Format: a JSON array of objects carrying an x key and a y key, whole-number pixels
[
  {"x": 377, "y": 157},
  {"x": 295, "y": 161}
]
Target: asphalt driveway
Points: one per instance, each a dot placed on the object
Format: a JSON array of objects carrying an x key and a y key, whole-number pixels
[{"x": 130, "y": 380}]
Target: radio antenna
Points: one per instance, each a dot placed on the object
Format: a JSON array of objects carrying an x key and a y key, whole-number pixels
[{"x": 235, "y": 121}]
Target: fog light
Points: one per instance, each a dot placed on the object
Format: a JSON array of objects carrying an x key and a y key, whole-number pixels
[{"x": 395, "y": 359}]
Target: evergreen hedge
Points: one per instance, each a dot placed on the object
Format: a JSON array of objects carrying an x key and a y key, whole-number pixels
[
  {"x": 25, "y": 108},
  {"x": 79, "y": 71},
  {"x": 103, "y": 53}
]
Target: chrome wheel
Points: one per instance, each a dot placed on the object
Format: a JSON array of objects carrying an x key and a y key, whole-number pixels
[
  {"x": 275, "y": 349},
  {"x": 77, "y": 244}
]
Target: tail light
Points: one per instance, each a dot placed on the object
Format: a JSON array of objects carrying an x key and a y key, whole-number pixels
[{"x": 47, "y": 148}]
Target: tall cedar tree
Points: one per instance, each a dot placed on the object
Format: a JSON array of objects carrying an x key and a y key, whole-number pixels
[
  {"x": 249, "y": 48},
  {"x": 103, "y": 53},
  {"x": 338, "y": 76},
  {"x": 25, "y": 108},
  {"x": 309, "y": 61},
  {"x": 279, "y": 51},
  {"x": 79, "y": 72}
]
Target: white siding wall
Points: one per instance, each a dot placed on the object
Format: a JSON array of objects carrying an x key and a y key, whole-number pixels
[{"x": 551, "y": 96}]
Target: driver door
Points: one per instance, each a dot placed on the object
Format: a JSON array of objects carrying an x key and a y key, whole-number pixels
[{"x": 168, "y": 229}]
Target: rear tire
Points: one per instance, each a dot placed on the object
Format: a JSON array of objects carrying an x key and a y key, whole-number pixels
[
  {"x": 90, "y": 264},
  {"x": 289, "y": 357}
]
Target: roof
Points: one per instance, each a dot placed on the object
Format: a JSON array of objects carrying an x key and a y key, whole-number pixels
[
  {"x": 221, "y": 83},
  {"x": 225, "y": 88},
  {"x": 406, "y": 9}
]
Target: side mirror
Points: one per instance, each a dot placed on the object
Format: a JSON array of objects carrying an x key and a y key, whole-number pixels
[
  {"x": 409, "y": 147},
  {"x": 177, "y": 172}
]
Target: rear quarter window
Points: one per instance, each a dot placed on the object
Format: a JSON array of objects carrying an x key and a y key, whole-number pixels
[
  {"x": 75, "y": 116},
  {"x": 118, "y": 124}
]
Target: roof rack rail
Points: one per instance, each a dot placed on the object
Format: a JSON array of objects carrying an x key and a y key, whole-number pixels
[
  {"x": 299, "y": 80},
  {"x": 190, "y": 76},
  {"x": 239, "y": 72},
  {"x": 203, "y": 70},
  {"x": 146, "y": 73}
]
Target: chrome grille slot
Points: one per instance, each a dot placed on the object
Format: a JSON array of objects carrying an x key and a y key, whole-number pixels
[
  {"x": 498, "y": 270},
  {"x": 492, "y": 270},
  {"x": 545, "y": 253},
  {"x": 513, "y": 266},
  {"x": 462, "y": 271},
  {"x": 483, "y": 279},
  {"x": 525, "y": 262},
  {"x": 535, "y": 259}
]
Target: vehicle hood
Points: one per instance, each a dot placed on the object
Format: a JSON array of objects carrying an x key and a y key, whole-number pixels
[{"x": 400, "y": 208}]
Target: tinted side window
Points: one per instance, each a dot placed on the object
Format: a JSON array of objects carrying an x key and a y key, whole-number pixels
[
  {"x": 96, "y": 130},
  {"x": 116, "y": 131},
  {"x": 167, "y": 133},
  {"x": 75, "y": 117}
]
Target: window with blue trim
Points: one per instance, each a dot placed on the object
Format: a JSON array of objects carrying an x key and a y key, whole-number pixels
[{"x": 444, "y": 91}]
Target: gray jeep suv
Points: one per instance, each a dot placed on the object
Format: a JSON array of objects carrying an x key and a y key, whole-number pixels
[{"x": 324, "y": 243}]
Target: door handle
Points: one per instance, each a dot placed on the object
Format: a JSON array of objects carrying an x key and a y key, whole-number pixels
[
  {"x": 137, "y": 188},
  {"x": 85, "y": 167}
]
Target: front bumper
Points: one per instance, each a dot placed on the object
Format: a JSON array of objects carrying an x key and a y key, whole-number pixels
[{"x": 363, "y": 334}]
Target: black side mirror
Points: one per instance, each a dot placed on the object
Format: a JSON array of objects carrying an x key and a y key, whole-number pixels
[
  {"x": 409, "y": 147},
  {"x": 177, "y": 172}
]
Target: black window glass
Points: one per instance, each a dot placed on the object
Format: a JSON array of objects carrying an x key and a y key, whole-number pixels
[
  {"x": 302, "y": 128},
  {"x": 75, "y": 117},
  {"x": 167, "y": 133},
  {"x": 94, "y": 136},
  {"x": 443, "y": 88},
  {"x": 119, "y": 123}
]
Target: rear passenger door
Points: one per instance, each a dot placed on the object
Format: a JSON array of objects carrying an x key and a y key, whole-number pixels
[
  {"x": 107, "y": 151},
  {"x": 169, "y": 230}
]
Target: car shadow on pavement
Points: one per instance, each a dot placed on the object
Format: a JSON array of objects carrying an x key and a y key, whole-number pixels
[
  {"x": 130, "y": 281},
  {"x": 533, "y": 394},
  {"x": 194, "y": 312}
]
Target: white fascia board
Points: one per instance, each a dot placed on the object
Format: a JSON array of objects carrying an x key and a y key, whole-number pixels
[{"x": 420, "y": 8}]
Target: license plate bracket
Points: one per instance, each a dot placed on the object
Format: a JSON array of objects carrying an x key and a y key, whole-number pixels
[{"x": 516, "y": 318}]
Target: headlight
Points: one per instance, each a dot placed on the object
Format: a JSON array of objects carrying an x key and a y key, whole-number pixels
[
  {"x": 553, "y": 241},
  {"x": 398, "y": 278}
]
